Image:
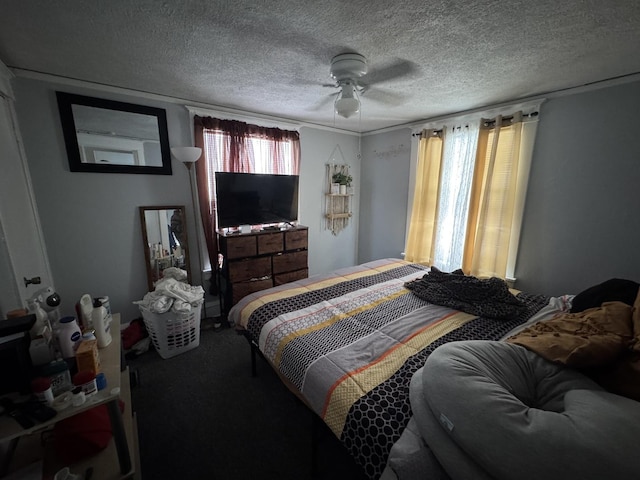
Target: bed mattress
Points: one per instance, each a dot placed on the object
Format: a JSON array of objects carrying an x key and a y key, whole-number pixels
[{"x": 349, "y": 342}]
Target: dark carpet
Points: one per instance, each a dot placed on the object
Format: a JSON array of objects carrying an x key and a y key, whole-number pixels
[{"x": 201, "y": 415}]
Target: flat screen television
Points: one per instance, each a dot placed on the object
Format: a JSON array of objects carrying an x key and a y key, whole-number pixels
[{"x": 255, "y": 199}]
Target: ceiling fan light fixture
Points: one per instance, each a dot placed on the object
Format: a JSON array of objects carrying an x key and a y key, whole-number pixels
[
  {"x": 347, "y": 103},
  {"x": 348, "y": 65}
]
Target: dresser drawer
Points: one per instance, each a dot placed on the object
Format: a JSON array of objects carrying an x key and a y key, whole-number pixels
[
  {"x": 243, "y": 289},
  {"x": 240, "y": 247},
  {"x": 296, "y": 239},
  {"x": 270, "y": 243},
  {"x": 242, "y": 270},
  {"x": 288, "y": 262},
  {"x": 290, "y": 276}
]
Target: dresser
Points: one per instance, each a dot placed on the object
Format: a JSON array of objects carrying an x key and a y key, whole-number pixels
[{"x": 259, "y": 260}]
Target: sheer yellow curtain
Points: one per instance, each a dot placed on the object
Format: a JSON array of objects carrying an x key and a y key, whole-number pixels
[
  {"x": 495, "y": 207},
  {"x": 422, "y": 226}
]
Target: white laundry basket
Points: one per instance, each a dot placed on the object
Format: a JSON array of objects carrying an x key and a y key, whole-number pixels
[{"x": 173, "y": 333}]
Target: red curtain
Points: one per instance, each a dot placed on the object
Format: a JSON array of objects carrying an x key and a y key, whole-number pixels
[{"x": 238, "y": 155}]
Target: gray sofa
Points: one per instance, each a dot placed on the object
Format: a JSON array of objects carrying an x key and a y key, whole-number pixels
[{"x": 496, "y": 410}]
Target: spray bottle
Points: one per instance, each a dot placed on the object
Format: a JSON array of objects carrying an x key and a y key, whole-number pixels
[{"x": 42, "y": 319}]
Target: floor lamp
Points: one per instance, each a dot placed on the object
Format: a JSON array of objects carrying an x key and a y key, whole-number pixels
[{"x": 189, "y": 156}]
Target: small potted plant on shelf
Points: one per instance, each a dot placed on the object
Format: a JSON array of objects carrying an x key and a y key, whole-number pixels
[{"x": 342, "y": 179}]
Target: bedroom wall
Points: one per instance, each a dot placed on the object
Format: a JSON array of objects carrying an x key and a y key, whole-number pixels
[
  {"x": 319, "y": 147},
  {"x": 581, "y": 222},
  {"x": 386, "y": 162},
  {"x": 580, "y": 226},
  {"x": 91, "y": 223}
]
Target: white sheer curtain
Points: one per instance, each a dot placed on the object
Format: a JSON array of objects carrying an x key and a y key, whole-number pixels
[{"x": 455, "y": 189}]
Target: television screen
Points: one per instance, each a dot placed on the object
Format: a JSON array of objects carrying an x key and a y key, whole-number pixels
[{"x": 255, "y": 198}]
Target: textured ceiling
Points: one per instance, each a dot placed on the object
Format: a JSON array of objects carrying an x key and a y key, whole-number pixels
[{"x": 272, "y": 57}]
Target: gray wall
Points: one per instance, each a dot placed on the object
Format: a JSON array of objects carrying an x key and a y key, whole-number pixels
[
  {"x": 581, "y": 221},
  {"x": 91, "y": 223},
  {"x": 327, "y": 251},
  {"x": 386, "y": 161},
  {"x": 580, "y": 226}
]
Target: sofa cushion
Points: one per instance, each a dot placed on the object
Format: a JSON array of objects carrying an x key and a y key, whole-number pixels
[{"x": 509, "y": 410}]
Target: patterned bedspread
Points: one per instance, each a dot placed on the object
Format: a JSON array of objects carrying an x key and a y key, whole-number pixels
[{"x": 350, "y": 341}]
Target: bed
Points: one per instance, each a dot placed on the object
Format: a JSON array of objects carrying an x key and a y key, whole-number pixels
[{"x": 348, "y": 343}]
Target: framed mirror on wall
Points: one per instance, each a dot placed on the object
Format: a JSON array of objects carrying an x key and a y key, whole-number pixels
[
  {"x": 108, "y": 136},
  {"x": 164, "y": 236}
]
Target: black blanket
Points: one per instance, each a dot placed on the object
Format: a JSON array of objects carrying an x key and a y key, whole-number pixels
[{"x": 482, "y": 297}]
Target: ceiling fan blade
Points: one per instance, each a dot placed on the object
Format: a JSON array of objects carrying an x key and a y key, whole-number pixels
[
  {"x": 387, "y": 97},
  {"x": 324, "y": 102},
  {"x": 395, "y": 69}
]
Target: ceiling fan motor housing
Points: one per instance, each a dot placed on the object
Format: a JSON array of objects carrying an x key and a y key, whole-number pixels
[{"x": 348, "y": 66}]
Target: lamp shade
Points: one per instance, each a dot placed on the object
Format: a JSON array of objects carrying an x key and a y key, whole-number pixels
[
  {"x": 186, "y": 154},
  {"x": 347, "y": 103}
]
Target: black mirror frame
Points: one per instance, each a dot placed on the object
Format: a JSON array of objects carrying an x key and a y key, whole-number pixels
[{"x": 65, "y": 102}]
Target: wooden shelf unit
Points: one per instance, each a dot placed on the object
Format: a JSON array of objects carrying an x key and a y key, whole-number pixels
[
  {"x": 338, "y": 198},
  {"x": 338, "y": 211},
  {"x": 259, "y": 260},
  {"x": 119, "y": 460}
]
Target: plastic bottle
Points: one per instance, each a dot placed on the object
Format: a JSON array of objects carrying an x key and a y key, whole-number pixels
[
  {"x": 101, "y": 324},
  {"x": 86, "y": 312},
  {"x": 104, "y": 301},
  {"x": 69, "y": 336},
  {"x": 42, "y": 319},
  {"x": 41, "y": 388}
]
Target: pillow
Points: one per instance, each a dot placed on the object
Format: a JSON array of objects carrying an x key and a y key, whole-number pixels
[
  {"x": 592, "y": 338},
  {"x": 613, "y": 290}
]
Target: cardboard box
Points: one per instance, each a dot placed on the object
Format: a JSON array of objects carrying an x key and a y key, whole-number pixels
[{"x": 88, "y": 357}]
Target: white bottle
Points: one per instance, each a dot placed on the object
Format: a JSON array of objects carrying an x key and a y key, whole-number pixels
[
  {"x": 101, "y": 324},
  {"x": 86, "y": 312},
  {"x": 104, "y": 301},
  {"x": 42, "y": 319},
  {"x": 69, "y": 336}
]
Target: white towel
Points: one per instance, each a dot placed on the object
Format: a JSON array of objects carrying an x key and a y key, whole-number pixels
[{"x": 172, "y": 294}]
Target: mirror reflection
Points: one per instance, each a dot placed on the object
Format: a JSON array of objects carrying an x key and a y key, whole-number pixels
[
  {"x": 107, "y": 136},
  {"x": 164, "y": 236},
  {"x": 116, "y": 137}
]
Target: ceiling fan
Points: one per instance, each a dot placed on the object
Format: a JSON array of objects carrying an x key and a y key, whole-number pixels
[{"x": 353, "y": 77}]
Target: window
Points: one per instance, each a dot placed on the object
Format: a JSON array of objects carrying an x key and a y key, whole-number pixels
[
  {"x": 455, "y": 193},
  {"x": 469, "y": 196},
  {"x": 260, "y": 155},
  {"x": 233, "y": 146}
]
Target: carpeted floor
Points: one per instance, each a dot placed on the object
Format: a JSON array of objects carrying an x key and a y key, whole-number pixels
[{"x": 201, "y": 415}]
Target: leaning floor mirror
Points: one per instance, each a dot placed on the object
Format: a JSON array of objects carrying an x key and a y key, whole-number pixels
[{"x": 164, "y": 235}]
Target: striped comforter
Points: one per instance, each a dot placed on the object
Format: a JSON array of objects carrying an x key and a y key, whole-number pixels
[{"x": 350, "y": 341}]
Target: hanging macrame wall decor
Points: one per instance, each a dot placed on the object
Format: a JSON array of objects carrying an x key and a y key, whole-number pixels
[{"x": 338, "y": 197}]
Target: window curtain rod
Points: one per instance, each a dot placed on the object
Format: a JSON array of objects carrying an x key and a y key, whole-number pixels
[{"x": 486, "y": 123}]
